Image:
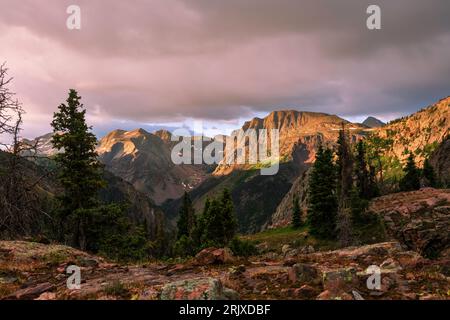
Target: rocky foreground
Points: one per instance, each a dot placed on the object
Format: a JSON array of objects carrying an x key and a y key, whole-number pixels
[{"x": 415, "y": 264}]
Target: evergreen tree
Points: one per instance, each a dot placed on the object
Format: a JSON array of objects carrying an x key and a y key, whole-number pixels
[
  {"x": 186, "y": 222},
  {"x": 363, "y": 181},
  {"x": 296, "y": 214},
  {"x": 229, "y": 216},
  {"x": 411, "y": 179},
  {"x": 345, "y": 170},
  {"x": 80, "y": 173},
  {"x": 322, "y": 206},
  {"x": 199, "y": 234},
  {"x": 214, "y": 231},
  {"x": 428, "y": 174},
  {"x": 375, "y": 190},
  {"x": 344, "y": 167},
  {"x": 219, "y": 220}
]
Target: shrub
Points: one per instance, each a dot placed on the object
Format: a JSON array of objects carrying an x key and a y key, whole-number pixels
[{"x": 242, "y": 248}]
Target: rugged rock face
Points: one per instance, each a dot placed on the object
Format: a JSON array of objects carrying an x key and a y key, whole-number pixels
[
  {"x": 440, "y": 160},
  {"x": 144, "y": 160},
  {"x": 283, "y": 213},
  {"x": 420, "y": 132},
  {"x": 43, "y": 144},
  {"x": 418, "y": 219},
  {"x": 299, "y": 133}
]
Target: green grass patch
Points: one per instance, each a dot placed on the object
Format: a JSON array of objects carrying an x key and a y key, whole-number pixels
[{"x": 276, "y": 238}]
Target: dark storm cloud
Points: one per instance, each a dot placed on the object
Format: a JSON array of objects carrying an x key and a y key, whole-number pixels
[{"x": 164, "y": 60}]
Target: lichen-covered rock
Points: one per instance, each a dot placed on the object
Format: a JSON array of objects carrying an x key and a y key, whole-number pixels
[
  {"x": 332, "y": 295},
  {"x": 418, "y": 219},
  {"x": 197, "y": 289},
  {"x": 303, "y": 273},
  {"x": 340, "y": 280}
]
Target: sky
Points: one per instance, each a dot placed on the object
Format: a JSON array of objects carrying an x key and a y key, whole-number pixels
[{"x": 168, "y": 63}]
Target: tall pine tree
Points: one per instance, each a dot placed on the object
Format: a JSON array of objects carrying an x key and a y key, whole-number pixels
[
  {"x": 428, "y": 174},
  {"x": 80, "y": 174},
  {"x": 296, "y": 214},
  {"x": 363, "y": 181},
  {"x": 345, "y": 170},
  {"x": 186, "y": 222},
  {"x": 229, "y": 216},
  {"x": 411, "y": 179},
  {"x": 219, "y": 220},
  {"x": 322, "y": 206}
]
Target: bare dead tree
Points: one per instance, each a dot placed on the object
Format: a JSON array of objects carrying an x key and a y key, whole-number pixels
[{"x": 20, "y": 207}]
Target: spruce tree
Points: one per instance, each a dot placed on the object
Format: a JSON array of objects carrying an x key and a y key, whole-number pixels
[
  {"x": 411, "y": 179},
  {"x": 296, "y": 214},
  {"x": 322, "y": 206},
  {"x": 345, "y": 170},
  {"x": 428, "y": 174},
  {"x": 186, "y": 222},
  {"x": 219, "y": 220},
  {"x": 229, "y": 216},
  {"x": 214, "y": 231},
  {"x": 363, "y": 181},
  {"x": 79, "y": 169}
]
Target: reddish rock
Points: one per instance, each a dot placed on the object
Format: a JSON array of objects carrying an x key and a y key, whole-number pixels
[
  {"x": 214, "y": 256},
  {"x": 32, "y": 292},
  {"x": 305, "y": 292},
  {"x": 330, "y": 295},
  {"x": 303, "y": 273},
  {"x": 197, "y": 289},
  {"x": 47, "y": 296},
  {"x": 340, "y": 279}
]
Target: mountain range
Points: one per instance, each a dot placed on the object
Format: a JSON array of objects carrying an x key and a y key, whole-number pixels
[{"x": 144, "y": 160}]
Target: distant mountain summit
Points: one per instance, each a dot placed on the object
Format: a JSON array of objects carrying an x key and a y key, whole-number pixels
[
  {"x": 144, "y": 160},
  {"x": 372, "y": 122},
  {"x": 300, "y": 132}
]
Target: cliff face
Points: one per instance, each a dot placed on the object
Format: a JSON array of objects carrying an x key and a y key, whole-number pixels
[
  {"x": 440, "y": 160},
  {"x": 299, "y": 135},
  {"x": 283, "y": 214},
  {"x": 420, "y": 132},
  {"x": 144, "y": 160}
]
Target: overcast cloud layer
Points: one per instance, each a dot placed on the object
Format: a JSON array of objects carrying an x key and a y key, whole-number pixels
[{"x": 161, "y": 61}]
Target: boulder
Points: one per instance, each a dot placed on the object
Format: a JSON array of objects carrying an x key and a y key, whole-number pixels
[
  {"x": 214, "y": 256},
  {"x": 332, "y": 295},
  {"x": 32, "y": 292},
  {"x": 303, "y": 273},
  {"x": 340, "y": 279},
  {"x": 47, "y": 296},
  {"x": 420, "y": 220},
  {"x": 197, "y": 289},
  {"x": 305, "y": 292},
  {"x": 285, "y": 248}
]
